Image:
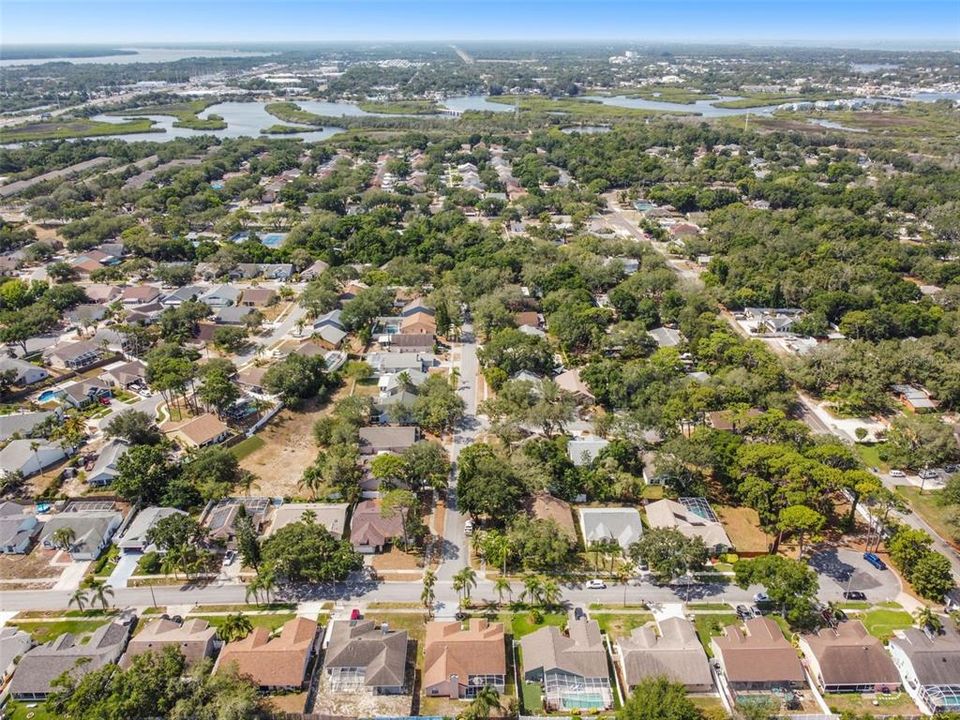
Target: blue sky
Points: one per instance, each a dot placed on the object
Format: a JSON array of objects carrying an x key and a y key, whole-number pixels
[{"x": 851, "y": 23}]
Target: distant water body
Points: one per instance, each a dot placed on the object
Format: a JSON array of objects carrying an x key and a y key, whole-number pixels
[{"x": 140, "y": 55}]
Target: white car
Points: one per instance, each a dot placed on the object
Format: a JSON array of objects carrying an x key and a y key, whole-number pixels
[
  {"x": 897, "y": 473},
  {"x": 761, "y": 597},
  {"x": 596, "y": 584}
]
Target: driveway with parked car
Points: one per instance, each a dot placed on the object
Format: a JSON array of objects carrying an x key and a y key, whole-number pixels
[{"x": 841, "y": 570}]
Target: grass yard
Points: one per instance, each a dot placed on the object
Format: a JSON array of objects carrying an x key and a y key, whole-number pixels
[
  {"x": 618, "y": 626},
  {"x": 870, "y": 454},
  {"x": 929, "y": 508},
  {"x": 532, "y": 698},
  {"x": 881, "y": 622},
  {"x": 272, "y": 621},
  {"x": 710, "y": 626},
  {"x": 43, "y": 632},
  {"x": 246, "y": 447},
  {"x": 20, "y": 711},
  {"x": 709, "y": 606},
  {"x": 898, "y": 703},
  {"x": 522, "y": 623}
]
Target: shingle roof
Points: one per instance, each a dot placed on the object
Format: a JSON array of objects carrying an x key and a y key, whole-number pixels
[
  {"x": 277, "y": 662},
  {"x": 451, "y": 650},
  {"x": 90, "y": 527},
  {"x": 761, "y": 654},
  {"x": 137, "y": 530},
  {"x": 675, "y": 653},
  {"x": 849, "y": 655},
  {"x": 368, "y": 526},
  {"x": 380, "y": 651},
  {"x": 193, "y": 637},
  {"x": 580, "y": 653},
  {"x": 936, "y": 660},
  {"x": 620, "y": 524},
  {"x": 203, "y": 428},
  {"x": 671, "y": 514},
  {"x": 375, "y": 439},
  {"x": 333, "y": 516}
]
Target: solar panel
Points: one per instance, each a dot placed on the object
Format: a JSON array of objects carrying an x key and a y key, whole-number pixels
[{"x": 699, "y": 506}]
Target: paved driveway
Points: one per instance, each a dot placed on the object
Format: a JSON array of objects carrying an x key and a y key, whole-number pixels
[
  {"x": 125, "y": 567},
  {"x": 841, "y": 569}
]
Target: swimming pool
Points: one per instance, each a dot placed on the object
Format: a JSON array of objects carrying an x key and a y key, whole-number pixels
[
  {"x": 49, "y": 396},
  {"x": 273, "y": 240}
]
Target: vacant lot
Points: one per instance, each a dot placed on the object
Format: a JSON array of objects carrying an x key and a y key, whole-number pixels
[
  {"x": 928, "y": 507},
  {"x": 743, "y": 528},
  {"x": 898, "y": 703},
  {"x": 35, "y": 564}
]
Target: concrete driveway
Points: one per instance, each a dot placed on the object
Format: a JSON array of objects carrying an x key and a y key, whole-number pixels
[
  {"x": 126, "y": 566},
  {"x": 841, "y": 569}
]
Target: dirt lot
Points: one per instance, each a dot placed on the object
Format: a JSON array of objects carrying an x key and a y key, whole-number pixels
[
  {"x": 35, "y": 564},
  {"x": 743, "y": 528},
  {"x": 359, "y": 704}
]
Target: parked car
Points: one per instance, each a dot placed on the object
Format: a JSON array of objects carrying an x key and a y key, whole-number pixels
[
  {"x": 854, "y": 595},
  {"x": 578, "y": 613},
  {"x": 951, "y": 468},
  {"x": 875, "y": 560},
  {"x": 460, "y": 616},
  {"x": 229, "y": 557},
  {"x": 743, "y": 612},
  {"x": 897, "y": 473},
  {"x": 596, "y": 584},
  {"x": 761, "y": 597},
  {"x": 468, "y": 528},
  {"x": 929, "y": 474},
  {"x": 757, "y": 612},
  {"x": 355, "y": 614}
]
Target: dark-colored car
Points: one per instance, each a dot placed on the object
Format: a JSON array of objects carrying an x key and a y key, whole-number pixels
[
  {"x": 854, "y": 595},
  {"x": 461, "y": 616},
  {"x": 743, "y": 612},
  {"x": 579, "y": 614}
]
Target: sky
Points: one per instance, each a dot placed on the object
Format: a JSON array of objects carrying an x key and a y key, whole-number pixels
[{"x": 914, "y": 24}]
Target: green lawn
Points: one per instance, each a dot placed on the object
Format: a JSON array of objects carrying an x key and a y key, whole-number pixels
[
  {"x": 20, "y": 711},
  {"x": 521, "y": 624},
  {"x": 272, "y": 621},
  {"x": 620, "y": 625},
  {"x": 43, "y": 632},
  {"x": 532, "y": 699},
  {"x": 929, "y": 508},
  {"x": 708, "y": 606},
  {"x": 709, "y": 626},
  {"x": 246, "y": 447},
  {"x": 870, "y": 454},
  {"x": 881, "y": 622},
  {"x": 898, "y": 703}
]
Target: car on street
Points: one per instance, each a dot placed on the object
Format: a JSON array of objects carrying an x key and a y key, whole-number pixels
[
  {"x": 743, "y": 612},
  {"x": 761, "y": 597},
  {"x": 875, "y": 560},
  {"x": 596, "y": 584},
  {"x": 897, "y": 473},
  {"x": 468, "y": 528},
  {"x": 929, "y": 474},
  {"x": 854, "y": 595}
]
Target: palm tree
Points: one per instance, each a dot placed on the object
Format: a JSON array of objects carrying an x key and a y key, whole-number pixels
[
  {"x": 427, "y": 596},
  {"x": 929, "y": 620},
  {"x": 79, "y": 598},
  {"x": 247, "y": 482},
  {"x": 624, "y": 573},
  {"x": 500, "y": 586},
  {"x": 532, "y": 590},
  {"x": 484, "y": 702},
  {"x": 551, "y": 592},
  {"x": 236, "y": 626},
  {"x": 64, "y": 538},
  {"x": 468, "y": 580},
  {"x": 99, "y": 592}
]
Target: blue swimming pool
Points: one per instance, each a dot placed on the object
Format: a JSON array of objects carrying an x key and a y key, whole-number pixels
[
  {"x": 273, "y": 240},
  {"x": 49, "y": 396}
]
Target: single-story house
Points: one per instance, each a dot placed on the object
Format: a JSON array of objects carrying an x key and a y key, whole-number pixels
[
  {"x": 278, "y": 663},
  {"x": 333, "y": 516},
  {"x": 411, "y": 343},
  {"x": 134, "y": 538},
  {"x": 126, "y": 374},
  {"x": 23, "y": 373},
  {"x": 92, "y": 530},
  {"x": 418, "y": 323},
  {"x": 39, "y": 667},
  {"x": 24, "y": 424},
  {"x": 18, "y": 527},
  {"x": 570, "y": 381},
  {"x": 314, "y": 271},
  {"x": 221, "y": 296},
  {"x": 104, "y": 470},
  {"x": 101, "y": 292},
  {"x": 396, "y": 439},
  {"x": 544, "y": 506},
  {"x": 219, "y": 519},
  {"x": 459, "y": 662},
  {"x": 929, "y": 666},
  {"x": 258, "y": 297},
  {"x": 195, "y": 638},
  {"x": 86, "y": 314},
  {"x": 693, "y": 517},
  {"x": 233, "y": 314},
  {"x": 139, "y": 295},
  {"x": 417, "y": 305},
  {"x": 364, "y": 657},
  {"x": 666, "y": 337},
  {"x": 73, "y": 356},
  {"x": 370, "y": 530},
  {"x": 251, "y": 378},
  {"x": 571, "y": 668},
  {"x": 530, "y": 318},
  {"x": 621, "y": 524},
  {"x": 674, "y": 653},
  {"x": 14, "y": 643},
  {"x": 330, "y": 336},
  {"x": 81, "y": 393},
  {"x": 757, "y": 657},
  {"x": 182, "y": 295},
  {"x": 849, "y": 659},
  {"x": 385, "y": 363},
  {"x": 583, "y": 451},
  {"x": 21, "y": 456},
  {"x": 203, "y": 430},
  {"x": 915, "y": 398}
]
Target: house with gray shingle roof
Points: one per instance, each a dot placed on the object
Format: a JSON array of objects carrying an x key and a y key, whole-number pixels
[
  {"x": 92, "y": 530},
  {"x": 39, "y": 667},
  {"x": 134, "y": 538},
  {"x": 24, "y": 424},
  {"x": 364, "y": 657},
  {"x": 13, "y": 644},
  {"x": 23, "y": 373},
  {"x": 622, "y": 525},
  {"x": 675, "y": 653},
  {"x": 28, "y": 457},
  {"x": 18, "y": 527}
]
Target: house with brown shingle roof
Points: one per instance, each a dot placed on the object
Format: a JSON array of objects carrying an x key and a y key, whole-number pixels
[
  {"x": 757, "y": 657},
  {"x": 571, "y": 668},
  {"x": 849, "y": 659},
  {"x": 675, "y": 653},
  {"x": 139, "y": 295},
  {"x": 195, "y": 638},
  {"x": 370, "y": 530},
  {"x": 203, "y": 430},
  {"x": 571, "y": 382},
  {"x": 258, "y": 297},
  {"x": 278, "y": 663},
  {"x": 419, "y": 323},
  {"x": 461, "y": 661},
  {"x": 544, "y": 506},
  {"x": 362, "y": 656}
]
